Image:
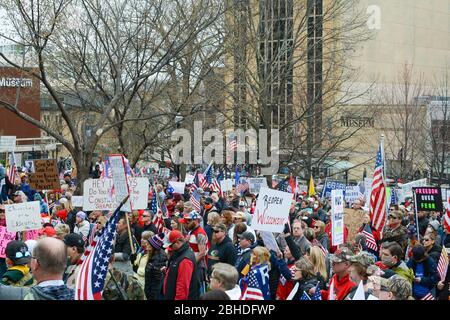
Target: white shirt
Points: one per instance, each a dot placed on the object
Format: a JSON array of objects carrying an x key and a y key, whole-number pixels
[{"x": 235, "y": 293}]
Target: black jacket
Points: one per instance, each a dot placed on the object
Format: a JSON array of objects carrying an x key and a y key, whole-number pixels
[
  {"x": 154, "y": 276},
  {"x": 222, "y": 252},
  {"x": 435, "y": 253},
  {"x": 123, "y": 245},
  {"x": 242, "y": 260},
  {"x": 185, "y": 252}
]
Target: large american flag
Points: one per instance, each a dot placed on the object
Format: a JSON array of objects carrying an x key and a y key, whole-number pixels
[
  {"x": 370, "y": 239},
  {"x": 428, "y": 296},
  {"x": 158, "y": 219},
  {"x": 195, "y": 200},
  {"x": 91, "y": 278},
  {"x": 378, "y": 194},
  {"x": 107, "y": 170},
  {"x": 215, "y": 186},
  {"x": 447, "y": 216},
  {"x": 242, "y": 187},
  {"x": 443, "y": 264},
  {"x": 256, "y": 286},
  {"x": 12, "y": 168}
]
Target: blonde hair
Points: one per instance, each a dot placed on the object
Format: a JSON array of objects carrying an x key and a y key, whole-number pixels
[
  {"x": 262, "y": 256},
  {"x": 320, "y": 224},
  {"x": 318, "y": 260},
  {"x": 214, "y": 217},
  {"x": 62, "y": 230},
  {"x": 306, "y": 268}
]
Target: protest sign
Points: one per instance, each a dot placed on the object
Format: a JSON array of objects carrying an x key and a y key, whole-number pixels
[
  {"x": 29, "y": 166},
  {"x": 405, "y": 190},
  {"x": 337, "y": 217},
  {"x": 23, "y": 216},
  {"x": 7, "y": 143},
  {"x": 428, "y": 199},
  {"x": 269, "y": 240},
  {"x": 367, "y": 192},
  {"x": 45, "y": 176},
  {"x": 255, "y": 184},
  {"x": 302, "y": 188},
  {"x": 77, "y": 201},
  {"x": 352, "y": 194},
  {"x": 189, "y": 179},
  {"x": 178, "y": 187},
  {"x": 31, "y": 235},
  {"x": 226, "y": 185},
  {"x": 272, "y": 210},
  {"x": 331, "y": 185},
  {"x": 5, "y": 238},
  {"x": 98, "y": 194},
  {"x": 119, "y": 177}
]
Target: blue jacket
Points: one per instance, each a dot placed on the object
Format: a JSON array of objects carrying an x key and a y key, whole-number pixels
[{"x": 430, "y": 275}]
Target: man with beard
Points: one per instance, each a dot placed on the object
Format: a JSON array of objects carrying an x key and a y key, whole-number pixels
[{"x": 198, "y": 241}]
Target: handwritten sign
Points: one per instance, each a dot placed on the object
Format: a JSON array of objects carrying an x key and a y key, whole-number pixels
[
  {"x": 272, "y": 210},
  {"x": 23, "y": 216},
  {"x": 337, "y": 217},
  {"x": 178, "y": 187},
  {"x": 98, "y": 194},
  {"x": 45, "y": 176},
  {"x": 117, "y": 163},
  {"x": 352, "y": 194},
  {"x": 5, "y": 238},
  {"x": 226, "y": 185},
  {"x": 428, "y": 199},
  {"x": 255, "y": 184},
  {"x": 7, "y": 143},
  {"x": 189, "y": 179},
  {"x": 77, "y": 201}
]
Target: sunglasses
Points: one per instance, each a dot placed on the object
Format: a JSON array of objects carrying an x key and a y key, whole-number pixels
[
  {"x": 145, "y": 216},
  {"x": 425, "y": 239},
  {"x": 22, "y": 255},
  {"x": 217, "y": 231}
]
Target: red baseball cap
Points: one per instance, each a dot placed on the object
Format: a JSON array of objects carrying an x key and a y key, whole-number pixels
[
  {"x": 47, "y": 231},
  {"x": 174, "y": 235}
]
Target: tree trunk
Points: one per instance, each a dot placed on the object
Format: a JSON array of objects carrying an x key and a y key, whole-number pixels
[{"x": 83, "y": 163}]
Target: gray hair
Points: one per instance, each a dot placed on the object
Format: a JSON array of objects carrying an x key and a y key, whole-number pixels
[
  {"x": 51, "y": 254},
  {"x": 226, "y": 274},
  {"x": 147, "y": 235}
]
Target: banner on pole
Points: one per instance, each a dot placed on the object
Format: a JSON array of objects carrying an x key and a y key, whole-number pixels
[
  {"x": 98, "y": 194},
  {"x": 178, "y": 187},
  {"x": 332, "y": 185},
  {"x": 119, "y": 177},
  {"x": 272, "y": 210},
  {"x": 428, "y": 199},
  {"x": 337, "y": 217},
  {"x": 23, "y": 216}
]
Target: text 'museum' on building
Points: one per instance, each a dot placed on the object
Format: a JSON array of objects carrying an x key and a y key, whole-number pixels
[{"x": 329, "y": 75}]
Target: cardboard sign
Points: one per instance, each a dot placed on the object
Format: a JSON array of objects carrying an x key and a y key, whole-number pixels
[
  {"x": 45, "y": 176},
  {"x": 406, "y": 189},
  {"x": 255, "y": 184},
  {"x": 5, "y": 238},
  {"x": 178, "y": 187},
  {"x": 272, "y": 210},
  {"x": 332, "y": 185},
  {"x": 119, "y": 176},
  {"x": 98, "y": 194},
  {"x": 23, "y": 216},
  {"x": 337, "y": 217},
  {"x": 352, "y": 194},
  {"x": 428, "y": 199},
  {"x": 7, "y": 143},
  {"x": 77, "y": 201}
]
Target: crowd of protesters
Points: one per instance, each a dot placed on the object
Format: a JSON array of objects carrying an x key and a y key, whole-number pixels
[{"x": 214, "y": 253}]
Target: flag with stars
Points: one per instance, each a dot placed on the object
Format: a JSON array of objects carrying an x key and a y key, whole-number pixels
[
  {"x": 170, "y": 188},
  {"x": 305, "y": 296},
  {"x": 255, "y": 286},
  {"x": 158, "y": 219},
  {"x": 91, "y": 278}
]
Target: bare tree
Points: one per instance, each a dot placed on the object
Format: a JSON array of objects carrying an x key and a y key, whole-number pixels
[{"x": 102, "y": 53}]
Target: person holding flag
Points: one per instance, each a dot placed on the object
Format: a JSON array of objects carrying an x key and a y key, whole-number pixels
[
  {"x": 307, "y": 281},
  {"x": 255, "y": 285}
]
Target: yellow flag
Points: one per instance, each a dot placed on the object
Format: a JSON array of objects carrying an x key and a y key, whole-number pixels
[{"x": 311, "y": 191}]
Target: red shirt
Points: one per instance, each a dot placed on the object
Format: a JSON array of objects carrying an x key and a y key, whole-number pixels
[
  {"x": 341, "y": 288},
  {"x": 185, "y": 271},
  {"x": 285, "y": 289},
  {"x": 328, "y": 231}
]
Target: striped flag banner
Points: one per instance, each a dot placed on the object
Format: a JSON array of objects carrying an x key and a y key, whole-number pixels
[
  {"x": 429, "y": 296},
  {"x": 378, "y": 194},
  {"x": 443, "y": 264},
  {"x": 370, "y": 240}
]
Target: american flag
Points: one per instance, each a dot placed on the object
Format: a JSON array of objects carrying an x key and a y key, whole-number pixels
[
  {"x": 378, "y": 195},
  {"x": 370, "y": 240},
  {"x": 429, "y": 296},
  {"x": 195, "y": 200},
  {"x": 316, "y": 295},
  {"x": 107, "y": 170},
  {"x": 252, "y": 291},
  {"x": 253, "y": 206},
  {"x": 91, "y": 278},
  {"x": 215, "y": 186},
  {"x": 443, "y": 264},
  {"x": 202, "y": 180},
  {"x": 12, "y": 167},
  {"x": 158, "y": 219},
  {"x": 196, "y": 183},
  {"x": 208, "y": 175},
  {"x": 447, "y": 216},
  {"x": 242, "y": 187},
  {"x": 232, "y": 142}
]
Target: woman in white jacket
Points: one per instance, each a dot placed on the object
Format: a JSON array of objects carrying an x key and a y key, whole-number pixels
[{"x": 82, "y": 226}]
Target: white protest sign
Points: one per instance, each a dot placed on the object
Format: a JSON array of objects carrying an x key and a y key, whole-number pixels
[
  {"x": 77, "y": 201},
  {"x": 119, "y": 176},
  {"x": 272, "y": 210},
  {"x": 7, "y": 143},
  {"x": 269, "y": 240},
  {"x": 178, "y": 187},
  {"x": 406, "y": 189},
  {"x": 359, "y": 294},
  {"x": 226, "y": 185},
  {"x": 189, "y": 179},
  {"x": 23, "y": 216},
  {"x": 352, "y": 194},
  {"x": 98, "y": 194},
  {"x": 367, "y": 192},
  {"x": 255, "y": 184},
  {"x": 337, "y": 217},
  {"x": 302, "y": 188}
]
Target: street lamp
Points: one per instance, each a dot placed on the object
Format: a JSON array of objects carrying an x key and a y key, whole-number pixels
[{"x": 178, "y": 119}]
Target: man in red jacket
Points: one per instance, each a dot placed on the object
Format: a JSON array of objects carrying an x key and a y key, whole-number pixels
[{"x": 340, "y": 280}]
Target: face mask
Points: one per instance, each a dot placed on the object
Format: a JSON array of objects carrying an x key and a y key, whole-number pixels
[{"x": 208, "y": 206}]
